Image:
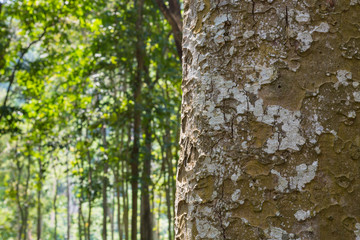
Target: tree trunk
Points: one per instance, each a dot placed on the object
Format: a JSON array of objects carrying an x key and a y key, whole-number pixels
[
  {"x": 19, "y": 168},
  {"x": 55, "y": 200},
  {"x": 80, "y": 232},
  {"x": 39, "y": 189},
  {"x": 104, "y": 187},
  {"x": 137, "y": 116},
  {"x": 125, "y": 191},
  {"x": 169, "y": 176},
  {"x": 118, "y": 200},
  {"x": 158, "y": 218},
  {"x": 89, "y": 195},
  {"x": 170, "y": 188},
  {"x": 270, "y": 121},
  {"x": 68, "y": 216},
  {"x": 81, "y": 221},
  {"x": 111, "y": 215},
  {"x": 26, "y": 207},
  {"x": 168, "y": 206},
  {"x": 146, "y": 218},
  {"x": 117, "y": 182}
]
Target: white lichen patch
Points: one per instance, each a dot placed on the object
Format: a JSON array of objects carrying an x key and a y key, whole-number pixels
[
  {"x": 219, "y": 37},
  {"x": 206, "y": 230},
  {"x": 305, "y": 40},
  {"x": 302, "y": 215},
  {"x": 275, "y": 233},
  {"x": 200, "y": 6},
  {"x": 357, "y": 231},
  {"x": 248, "y": 34},
  {"x": 342, "y": 76},
  {"x": 206, "y": 211},
  {"x": 236, "y": 195},
  {"x": 266, "y": 74},
  {"x": 243, "y": 100},
  {"x": 333, "y": 132},
  {"x": 220, "y": 19},
  {"x": 282, "y": 182},
  {"x": 302, "y": 17},
  {"x": 351, "y": 114},
  {"x": 210, "y": 167},
  {"x": 305, "y": 174},
  {"x": 288, "y": 121},
  {"x": 322, "y": 28},
  {"x": 356, "y": 96},
  {"x": 290, "y": 125},
  {"x": 258, "y": 108},
  {"x": 216, "y": 118},
  {"x": 272, "y": 144},
  {"x": 235, "y": 177},
  {"x": 244, "y": 220},
  {"x": 231, "y": 50},
  {"x": 319, "y": 129},
  {"x": 288, "y": 135},
  {"x": 208, "y": 108}
]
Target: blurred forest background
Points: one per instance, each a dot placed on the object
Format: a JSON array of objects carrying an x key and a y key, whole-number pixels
[{"x": 90, "y": 94}]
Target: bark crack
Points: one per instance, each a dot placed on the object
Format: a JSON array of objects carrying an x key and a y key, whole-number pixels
[{"x": 219, "y": 212}]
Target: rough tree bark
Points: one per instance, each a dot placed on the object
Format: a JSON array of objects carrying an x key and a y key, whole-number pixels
[{"x": 270, "y": 120}]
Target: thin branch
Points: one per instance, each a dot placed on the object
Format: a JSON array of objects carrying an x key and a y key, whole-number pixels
[
  {"x": 173, "y": 16},
  {"x": 12, "y": 76}
]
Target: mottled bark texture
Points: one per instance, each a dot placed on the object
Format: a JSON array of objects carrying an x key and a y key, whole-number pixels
[{"x": 270, "y": 120}]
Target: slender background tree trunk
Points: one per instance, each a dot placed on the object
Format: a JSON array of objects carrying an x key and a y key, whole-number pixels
[
  {"x": 146, "y": 218},
  {"x": 137, "y": 116},
  {"x": 105, "y": 184},
  {"x": 39, "y": 190},
  {"x": 55, "y": 186},
  {"x": 68, "y": 214}
]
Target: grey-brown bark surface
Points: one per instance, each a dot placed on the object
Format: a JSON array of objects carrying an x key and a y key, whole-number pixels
[{"x": 270, "y": 120}]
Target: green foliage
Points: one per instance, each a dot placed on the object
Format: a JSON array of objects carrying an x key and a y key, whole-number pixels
[{"x": 67, "y": 70}]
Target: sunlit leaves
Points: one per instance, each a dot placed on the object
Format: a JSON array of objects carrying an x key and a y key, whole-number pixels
[{"x": 71, "y": 106}]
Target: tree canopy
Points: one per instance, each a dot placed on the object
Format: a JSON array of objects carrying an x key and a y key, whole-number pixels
[{"x": 90, "y": 94}]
